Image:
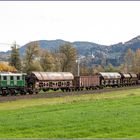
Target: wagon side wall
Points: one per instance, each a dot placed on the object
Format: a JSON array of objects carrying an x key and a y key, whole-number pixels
[{"x": 87, "y": 81}]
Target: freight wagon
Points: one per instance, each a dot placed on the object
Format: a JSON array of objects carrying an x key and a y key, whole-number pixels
[
  {"x": 86, "y": 82},
  {"x": 50, "y": 81},
  {"x": 110, "y": 79},
  {"x": 133, "y": 79},
  {"x": 21, "y": 83}
]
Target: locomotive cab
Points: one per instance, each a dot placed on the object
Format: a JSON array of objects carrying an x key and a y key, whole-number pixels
[{"x": 12, "y": 83}]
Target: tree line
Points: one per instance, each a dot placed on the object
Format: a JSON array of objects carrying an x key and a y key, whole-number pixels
[
  {"x": 64, "y": 60},
  {"x": 37, "y": 59}
]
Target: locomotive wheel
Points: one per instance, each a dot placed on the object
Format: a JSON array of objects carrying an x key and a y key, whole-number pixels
[
  {"x": 23, "y": 92},
  {"x": 12, "y": 92},
  {"x": 4, "y": 92}
]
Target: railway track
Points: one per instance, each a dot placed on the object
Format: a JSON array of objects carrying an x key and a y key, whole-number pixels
[{"x": 61, "y": 94}]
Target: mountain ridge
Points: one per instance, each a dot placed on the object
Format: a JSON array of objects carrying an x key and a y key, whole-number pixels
[{"x": 86, "y": 48}]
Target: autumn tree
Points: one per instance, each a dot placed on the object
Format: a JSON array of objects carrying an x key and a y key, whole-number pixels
[
  {"x": 129, "y": 56},
  {"x": 15, "y": 57},
  {"x": 132, "y": 61},
  {"x": 121, "y": 68},
  {"x": 98, "y": 68},
  {"x": 136, "y": 61},
  {"x": 35, "y": 66},
  {"x": 31, "y": 58},
  {"x": 47, "y": 61},
  {"x": 67, "y": 57},
  {"x": 57, "y": 61},
  {"x": 7, "y": 68},
  {"x": 111, "y": 68},
  {"x": 85, "y": 70}
]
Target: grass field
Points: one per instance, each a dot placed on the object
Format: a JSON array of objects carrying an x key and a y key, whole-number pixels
[{"x": 109, "y": 115}]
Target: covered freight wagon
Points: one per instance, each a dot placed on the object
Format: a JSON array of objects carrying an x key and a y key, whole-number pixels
[
  {"x": 125, "y": 80},
  {"x": 133, "y": 79},
  {"x": 51, "y": 80},
  {"x": 110, "y": 79}
]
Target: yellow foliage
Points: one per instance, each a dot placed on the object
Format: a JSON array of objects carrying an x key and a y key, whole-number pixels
[{"x": 6, "y": 67}]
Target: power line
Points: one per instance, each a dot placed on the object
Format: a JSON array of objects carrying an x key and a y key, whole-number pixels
[
  {"x": 5, "y": 44},
  {"x": 8, "y": 44}
]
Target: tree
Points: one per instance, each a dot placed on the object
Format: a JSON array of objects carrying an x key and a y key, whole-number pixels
[
  {"x": 32, "y": 52},
  {"x": 67, "y": 57},
  {"x": 110, "y": 68},
  {"x": 129, "y": 56},
  {"x": 98, "y": 68},
  {"x": 15, "y": 57},
  {"x": 132, "y": 61},
  {"x": 6, "y": 67},
  {"x": 47, "y": 61},
  {"x": 31, "y": 56},
  {"x": 122, "y": 68},
  {"x": 85, "y": 70},
  {"x": 136, "y": 61},
  {"x": 35, "y": 66}
]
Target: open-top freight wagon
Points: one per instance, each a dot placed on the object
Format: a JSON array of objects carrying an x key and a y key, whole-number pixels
[{"x": 86, "y": 82}]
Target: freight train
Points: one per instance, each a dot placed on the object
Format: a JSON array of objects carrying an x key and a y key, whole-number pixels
[{"x": 22, "y": 83}]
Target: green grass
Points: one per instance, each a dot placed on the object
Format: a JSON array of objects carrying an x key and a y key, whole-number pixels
[{"x": 108, "y": 115}]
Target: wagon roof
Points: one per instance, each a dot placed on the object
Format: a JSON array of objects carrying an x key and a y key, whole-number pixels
[
  {"x": 133, "y": 75},
  {"x": 126, "y": 75},
  {"x": 110, "y": 75},
  {"x": 53, "y": 75},
  {"x": 11, "y": 74}
]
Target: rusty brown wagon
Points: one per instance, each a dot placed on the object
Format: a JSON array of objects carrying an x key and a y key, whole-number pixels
[
  {"x": 86, "y": 82},
  {"x": 51, "y": 80},
  {"x": 110, "y": 79}
]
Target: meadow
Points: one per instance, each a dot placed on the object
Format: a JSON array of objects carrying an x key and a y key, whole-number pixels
[{"x": 108, "y": 115}]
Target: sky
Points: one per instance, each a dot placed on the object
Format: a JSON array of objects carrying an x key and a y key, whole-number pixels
[{"x": 101, "y": 22}]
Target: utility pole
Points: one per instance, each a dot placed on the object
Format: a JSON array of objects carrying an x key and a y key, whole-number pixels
[{"x": 78, "y": 65}]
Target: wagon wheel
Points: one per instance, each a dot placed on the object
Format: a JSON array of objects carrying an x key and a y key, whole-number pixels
[
  {"x": 12, "y": 92},
  {"x": 36, "y": 91},
  {"x": 23, "y": 92}
]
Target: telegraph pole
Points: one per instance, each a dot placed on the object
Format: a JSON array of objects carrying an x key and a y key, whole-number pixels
[{"x": 78, "y": 66}]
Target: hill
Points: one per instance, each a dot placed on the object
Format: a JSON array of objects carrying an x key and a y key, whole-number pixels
[
  {"x": 111, "y": 54},
  {"x": 83, "y": 48}
]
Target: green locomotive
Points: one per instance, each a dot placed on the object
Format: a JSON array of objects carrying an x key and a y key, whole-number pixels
[{"x": 12, "y": 83}]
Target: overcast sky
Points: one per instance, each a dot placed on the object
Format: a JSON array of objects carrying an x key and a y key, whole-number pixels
[{"x": 103, "y": 22}]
